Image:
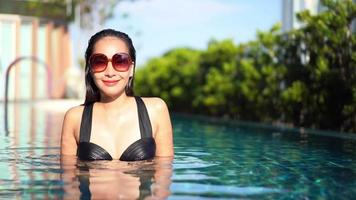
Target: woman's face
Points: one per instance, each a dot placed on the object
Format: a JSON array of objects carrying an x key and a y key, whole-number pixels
[{"x": 111, "y": 82}]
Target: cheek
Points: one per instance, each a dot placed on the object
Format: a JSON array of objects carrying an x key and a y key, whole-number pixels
[
  {"x": 96, "y": 79},
  {"x": 125, "y": 75}
]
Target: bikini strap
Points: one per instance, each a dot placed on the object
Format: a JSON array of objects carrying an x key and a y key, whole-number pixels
[
  {"x": 143, "y": 118},
  {"x": 85, "y": 125}
]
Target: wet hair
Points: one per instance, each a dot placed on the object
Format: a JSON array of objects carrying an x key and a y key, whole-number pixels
[{"x": 92, "y": 92}]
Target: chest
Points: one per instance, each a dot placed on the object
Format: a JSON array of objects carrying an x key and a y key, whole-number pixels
[{"x": 115, "y": 134}]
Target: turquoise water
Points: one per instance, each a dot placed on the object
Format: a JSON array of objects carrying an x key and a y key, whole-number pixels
[{"x": 213, "y": 160}]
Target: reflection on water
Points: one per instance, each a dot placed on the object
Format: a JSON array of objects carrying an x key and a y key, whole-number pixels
[
  {"x": 115, "y": 179},
  {"x": 212, "y": 161},
  {"x": 44, "y": 177}
]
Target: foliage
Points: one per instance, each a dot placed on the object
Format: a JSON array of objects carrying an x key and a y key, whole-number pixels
[
  {"x": 57, "y": 9},
  {"x": 321, "y": 79},
  {"x": 173, "y": 77},
  {"x": 306, "y": 77},
  {"x": 95, "y": 11},
  {"x": 88, "y": 11}
]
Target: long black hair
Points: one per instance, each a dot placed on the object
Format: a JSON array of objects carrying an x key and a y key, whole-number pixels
[{"x": 92, "y": 91}]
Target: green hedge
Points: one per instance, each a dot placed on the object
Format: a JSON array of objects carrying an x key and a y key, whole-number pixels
[{"x": 306, "y": 77}]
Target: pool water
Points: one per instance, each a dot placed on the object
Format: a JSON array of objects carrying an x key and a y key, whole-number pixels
[{"x": 213, "y": 160}]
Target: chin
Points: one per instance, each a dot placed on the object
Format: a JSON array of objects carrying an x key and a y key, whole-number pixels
[
  {"x": 111, "y": 91},
  {"x": 113, "y": 94}
]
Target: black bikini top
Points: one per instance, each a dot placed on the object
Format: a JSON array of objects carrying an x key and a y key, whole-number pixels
[{"x": 142, "y": 149}]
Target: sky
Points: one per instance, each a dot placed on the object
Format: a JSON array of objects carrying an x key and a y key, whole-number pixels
[{"x": 157, "y": 26}]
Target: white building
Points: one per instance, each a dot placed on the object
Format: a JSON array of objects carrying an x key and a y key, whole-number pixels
[{"x": 291, "y": 7}]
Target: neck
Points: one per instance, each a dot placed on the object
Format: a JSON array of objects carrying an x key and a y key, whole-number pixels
[{"x": 114, "y": 102}]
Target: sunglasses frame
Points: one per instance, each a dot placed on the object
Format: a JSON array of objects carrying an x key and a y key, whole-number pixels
[{"x": 110, "y": 60}]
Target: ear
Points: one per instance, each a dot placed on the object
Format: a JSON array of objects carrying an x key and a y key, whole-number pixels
[{"x": 132, "y": 69}]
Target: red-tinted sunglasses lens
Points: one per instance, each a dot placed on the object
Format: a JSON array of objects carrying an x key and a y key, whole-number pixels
[
  {"x": 98, "y": 62},
  {"x": 121, "y": 62}
]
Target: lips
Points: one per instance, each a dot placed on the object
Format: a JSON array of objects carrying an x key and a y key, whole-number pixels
[{"x": 110, "y": 82}]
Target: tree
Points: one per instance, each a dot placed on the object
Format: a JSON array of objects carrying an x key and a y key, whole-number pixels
[
  {"x": 172, "y": 77},
  {"x": 262, "y": 90},
  {"x": 88, "y": 11},
  {"x": 306, "y": 77},
  {"x": 216, "y": 73},
  {"x": 321, "y": 62}
]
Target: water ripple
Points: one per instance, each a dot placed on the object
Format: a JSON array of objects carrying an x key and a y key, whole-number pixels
[{"x": 223, "y": 189}]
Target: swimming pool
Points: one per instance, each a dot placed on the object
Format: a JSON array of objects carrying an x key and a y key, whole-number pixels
[{"x": 213, "y": 160}]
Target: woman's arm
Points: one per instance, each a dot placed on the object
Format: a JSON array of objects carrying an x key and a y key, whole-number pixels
[
  {"x": 164, "y": 133},
  {"x": 68, "y": 139}
]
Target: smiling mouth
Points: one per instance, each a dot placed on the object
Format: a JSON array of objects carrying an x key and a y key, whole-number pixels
[{"x": 110, "y": 82}]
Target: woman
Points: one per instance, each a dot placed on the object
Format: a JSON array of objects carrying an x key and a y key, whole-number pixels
[{"x": 112, "y": 123}]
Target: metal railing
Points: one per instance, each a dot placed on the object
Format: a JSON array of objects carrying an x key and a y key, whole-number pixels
[{"x": 7, "y": 74}]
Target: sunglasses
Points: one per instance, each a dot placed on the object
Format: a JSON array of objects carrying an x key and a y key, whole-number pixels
[{"x": 120, "y": 61}]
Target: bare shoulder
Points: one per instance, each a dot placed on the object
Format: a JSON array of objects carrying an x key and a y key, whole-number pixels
[
  {"x": 72, "y": 118},
  {"x": 70, "y": 130},
  {"x": 71, "y": 123},
  {"x": 162, "y": 127},
  {"x": 157, "y": 111},
  {"x": 74, "y": 113},
  {"x": 155, "y": 104}
]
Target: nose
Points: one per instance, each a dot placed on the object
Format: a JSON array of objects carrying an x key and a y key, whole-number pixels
[{"x": 109, "y": 71}]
